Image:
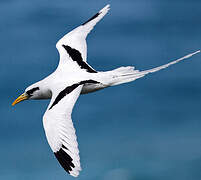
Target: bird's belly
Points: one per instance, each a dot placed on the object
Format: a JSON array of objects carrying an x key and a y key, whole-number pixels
[{"x": 89, "y": 88}]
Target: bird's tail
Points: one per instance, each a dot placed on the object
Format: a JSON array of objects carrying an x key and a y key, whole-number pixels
[{"x": 127, "y": 74}]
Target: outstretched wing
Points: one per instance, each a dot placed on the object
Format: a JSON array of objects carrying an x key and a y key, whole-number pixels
[
  {"x": 59, "y": 128},
  {"x": 73, "y": 48}
]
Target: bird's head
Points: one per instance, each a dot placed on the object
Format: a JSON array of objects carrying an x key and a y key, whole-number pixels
[{"x": 32, "y": 92}]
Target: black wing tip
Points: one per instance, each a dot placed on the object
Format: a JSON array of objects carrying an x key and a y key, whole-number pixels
[
  {"x": 93, "y": 17},
  {"x": 106, "y": 8},
  {"x": 64, "y": 159}
]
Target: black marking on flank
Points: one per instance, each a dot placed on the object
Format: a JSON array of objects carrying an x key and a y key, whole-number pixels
[
  {"x": 65, "y": 160},
  {"x": 95, "y": 16},
  {"x": 89, "y": 81},
  {"x": 76, "y": 56},
  {"x": 31, "y": 91},
  {"x": 68, "y": 90}
]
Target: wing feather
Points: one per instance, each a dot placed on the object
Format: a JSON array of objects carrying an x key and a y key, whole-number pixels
[
  {"x": 76, "y": 39},
  {"x": 60, "y": 131}
]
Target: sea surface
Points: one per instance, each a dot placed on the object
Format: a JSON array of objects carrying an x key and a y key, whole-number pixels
[{"x": 149, "y": 129}]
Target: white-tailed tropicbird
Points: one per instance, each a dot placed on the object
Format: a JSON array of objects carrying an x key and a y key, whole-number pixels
[{"x": 74, "y": 76}]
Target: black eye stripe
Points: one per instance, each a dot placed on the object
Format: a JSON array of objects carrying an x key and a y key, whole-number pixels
[{"x": 31, "y": 91}]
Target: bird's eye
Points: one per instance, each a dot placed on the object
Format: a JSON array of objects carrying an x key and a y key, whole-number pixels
[{"x": 31, "y": 91}]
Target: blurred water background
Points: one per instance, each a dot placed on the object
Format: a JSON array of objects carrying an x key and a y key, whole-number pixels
[{"x": 149, "y": 129}]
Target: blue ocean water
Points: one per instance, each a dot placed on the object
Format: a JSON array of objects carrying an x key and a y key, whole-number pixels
[{"x": 149, "y": 129}]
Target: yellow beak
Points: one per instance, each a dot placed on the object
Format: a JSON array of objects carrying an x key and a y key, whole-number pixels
[{"x": 20, "y": 98}]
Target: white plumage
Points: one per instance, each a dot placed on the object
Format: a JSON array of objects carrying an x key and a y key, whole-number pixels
[{"x": 72, "y": 77}]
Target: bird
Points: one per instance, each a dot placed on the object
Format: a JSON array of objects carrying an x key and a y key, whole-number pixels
[{"x": 72, "y": 77}]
